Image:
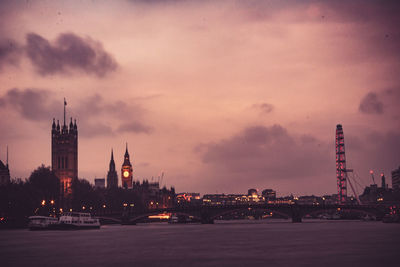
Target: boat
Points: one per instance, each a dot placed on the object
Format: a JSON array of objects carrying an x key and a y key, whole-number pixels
[
  {"x": 42, "y": 222},
  {"x": 76, "y": 220}
]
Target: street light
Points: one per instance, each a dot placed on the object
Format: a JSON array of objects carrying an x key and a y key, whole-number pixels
[
  {"x": 43, "y": 202},
  {"x": 52, "y": 202}
]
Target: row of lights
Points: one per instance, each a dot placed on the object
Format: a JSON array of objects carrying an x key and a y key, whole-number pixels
[
  {"x": 83, "y": 207},
  {"x": 44, "y": 202}
]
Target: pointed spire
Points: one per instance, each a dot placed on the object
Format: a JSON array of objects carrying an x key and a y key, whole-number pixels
[
  {"x": 126, "y": 160},
  {"x": 65, "y": 103},
  {"x": 112, "y": 163},
  {"x": 71, "y": 125},
  {"x": 58, "y": 125},
  {"x": 53, "y": 126}
]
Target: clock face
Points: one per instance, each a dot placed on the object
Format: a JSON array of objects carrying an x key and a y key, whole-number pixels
[{"x": 126, "y": 174}]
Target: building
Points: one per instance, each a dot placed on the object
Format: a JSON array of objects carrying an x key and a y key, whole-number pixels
[
  {"x": 99, "y": 182},
  {"x": 4, "y": 172},
  {"x": 269, "y": 194},
  {"x": 188, "y": 198},
  {"x": 252, "y": 192},
  {"x": 230, "y": 199},
  {"x": 383, "y": 184},
  {"x": 330, "y": 199},
  {"x": 112, "y": 176},
  {"x": 64, "y": 153},
  {"x": 126, "y": 171},
  {"x": 396, "y": 179},
  {"x": 309, "y": 200}
]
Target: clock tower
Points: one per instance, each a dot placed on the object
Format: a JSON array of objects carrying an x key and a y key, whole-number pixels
[{"x": 126, "y": 171}]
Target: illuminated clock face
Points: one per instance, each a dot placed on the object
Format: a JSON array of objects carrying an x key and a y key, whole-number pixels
[{"x": 126, "y": 174}]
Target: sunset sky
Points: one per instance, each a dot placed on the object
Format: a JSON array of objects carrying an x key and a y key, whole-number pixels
[{"x": 221, "y": 96}]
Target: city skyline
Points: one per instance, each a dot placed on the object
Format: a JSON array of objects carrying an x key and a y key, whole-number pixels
[{"x": 217, "y": 96}]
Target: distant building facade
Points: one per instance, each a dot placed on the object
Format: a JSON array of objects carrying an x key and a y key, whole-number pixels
[
  {"x": 99, "y": 182},
  {"x": 269, "y": 194},
  {"x": 112, "y": 176},
  {"x": 231, "y": 199},
  {"x": 396, "y": 179},
  {"x": 126, "y": 171},
  {"x": 64, "y": 153}
]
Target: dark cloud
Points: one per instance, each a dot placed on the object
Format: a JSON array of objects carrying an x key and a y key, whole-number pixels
[
  {"x": 372, "y": 150},
  {"x": 370, "y": 104},
  {"x": 265, "y": 156},
  {"x": 95, "y": 110},
  {"x": 92, "y": 129},
  {"x": 68, "y": 52},
  {"x": 264, "y": 108},
  {"x": 9, "y": 52},
  {"x": 31, "y": 104},
  {"x": 93, "y": 113},
  {"x": 135, "y": 127},
  {"x": 96, "y": 105},
  {"x": 267, "y": 153}
]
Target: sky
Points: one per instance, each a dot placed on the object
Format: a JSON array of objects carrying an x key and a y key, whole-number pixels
[{"x": 221, "y": 96}]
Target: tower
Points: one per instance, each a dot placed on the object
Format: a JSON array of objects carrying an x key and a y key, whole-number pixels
[
  {"x": 4, "y": 172},
  {"x": 341, "y": 172},
  {"x": 384, "y": 185},
  {"x": 64, "y": 153},
  {"x": 126, "y": 171},
  {"x": 112, "y": 176}
]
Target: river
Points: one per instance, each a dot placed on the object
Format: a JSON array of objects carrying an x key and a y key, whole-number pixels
[{"x": 228, "y": 243}]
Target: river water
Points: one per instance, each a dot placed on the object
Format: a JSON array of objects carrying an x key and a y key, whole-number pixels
[{"x": 228, "y": 243}]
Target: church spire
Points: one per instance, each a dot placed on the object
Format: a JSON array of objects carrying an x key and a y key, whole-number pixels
[{"x": 112, "y": 163}]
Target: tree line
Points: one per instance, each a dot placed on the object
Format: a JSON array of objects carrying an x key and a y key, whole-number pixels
[{"x": 40, "y": 195}]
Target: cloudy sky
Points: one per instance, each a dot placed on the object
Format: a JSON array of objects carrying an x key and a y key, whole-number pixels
[{"x": 222, "y": 96}]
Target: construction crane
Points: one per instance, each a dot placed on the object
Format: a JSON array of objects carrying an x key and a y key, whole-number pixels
[
  {"x": 372, "y": 175},
  {"x": 351, "y": 185}
]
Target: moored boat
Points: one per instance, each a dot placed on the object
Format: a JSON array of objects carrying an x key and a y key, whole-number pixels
[
  {"x": 76, "y": 220},
  {"x": 41, "y": 222}
]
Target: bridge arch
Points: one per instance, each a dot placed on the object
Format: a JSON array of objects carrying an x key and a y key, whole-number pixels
[
  {"x": 225, "y": 212},
  {"x": 331, "y": 210},
  {"x": 141, "y": 216}
]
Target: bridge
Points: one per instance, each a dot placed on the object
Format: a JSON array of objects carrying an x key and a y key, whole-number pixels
[{"x": 206, "y": 214}]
